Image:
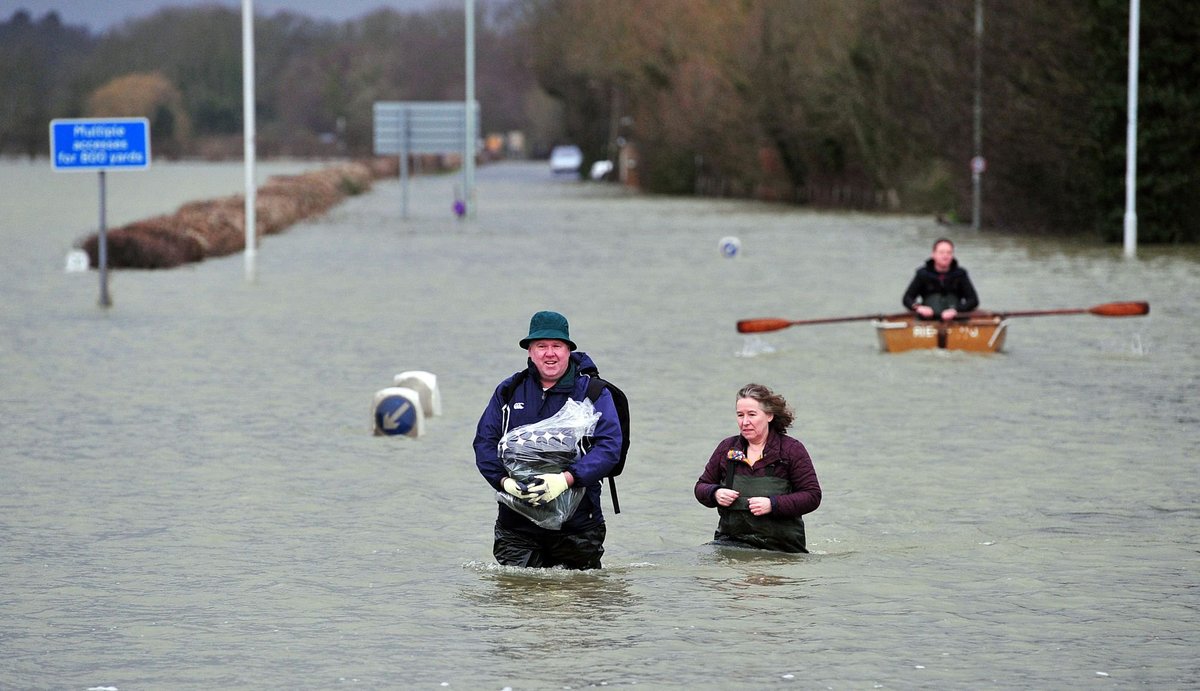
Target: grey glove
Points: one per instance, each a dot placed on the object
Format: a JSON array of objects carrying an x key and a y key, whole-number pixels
[
  {"x": 548, "y": 487},
  {"x": 517, "y": 489}
]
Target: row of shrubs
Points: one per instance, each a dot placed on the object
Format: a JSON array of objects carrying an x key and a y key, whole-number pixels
[{"x": 217, "y": 227}]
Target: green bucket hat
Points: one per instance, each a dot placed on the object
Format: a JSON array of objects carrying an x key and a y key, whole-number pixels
[{"x": 548, "y": 325}]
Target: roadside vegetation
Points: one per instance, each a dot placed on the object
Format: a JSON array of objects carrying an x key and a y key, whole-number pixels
[{"x": 865, "y": 104}]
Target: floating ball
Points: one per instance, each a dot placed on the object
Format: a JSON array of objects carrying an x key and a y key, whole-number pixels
[
  {"x": 730, "y": 246},
  {"x": 77, "y": 260}
]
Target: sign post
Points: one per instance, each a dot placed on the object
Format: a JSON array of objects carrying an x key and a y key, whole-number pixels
[{"x": 100, "y": 144}]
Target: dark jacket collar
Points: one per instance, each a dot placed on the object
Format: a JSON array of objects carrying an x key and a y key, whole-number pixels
[{"x": 929, "y": 266}]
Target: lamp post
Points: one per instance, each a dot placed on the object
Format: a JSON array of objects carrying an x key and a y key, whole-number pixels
[
  {"x": 248, "y": 131},
  {"x": 1131, "y": 135},
  {"x": 977, "y": 162},
  {"x": 469, "y": 113}
]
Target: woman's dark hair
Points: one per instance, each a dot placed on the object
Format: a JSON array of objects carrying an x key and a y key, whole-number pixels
[{"x": 772, "y": 403}]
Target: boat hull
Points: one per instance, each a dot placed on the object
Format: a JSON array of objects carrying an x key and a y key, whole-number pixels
[{"x": 979, "y": 334}]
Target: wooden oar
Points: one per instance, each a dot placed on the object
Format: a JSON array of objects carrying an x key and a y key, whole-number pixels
[
  {"x": 750, "y": 326},
  {"x": 1108, "y": 309}
]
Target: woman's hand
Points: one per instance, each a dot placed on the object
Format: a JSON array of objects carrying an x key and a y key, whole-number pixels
[
  {"x": 725, "y": 496},
  {"x": 759, "y": 506}
]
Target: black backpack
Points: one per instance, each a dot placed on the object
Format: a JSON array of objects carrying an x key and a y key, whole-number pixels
[{"x": 596, "y": 386}]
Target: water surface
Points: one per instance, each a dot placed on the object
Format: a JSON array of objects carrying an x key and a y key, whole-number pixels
[{"x": 191, "y": 496}]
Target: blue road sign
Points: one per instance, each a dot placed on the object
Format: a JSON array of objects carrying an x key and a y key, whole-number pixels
[
  {"x": 100, "y": 143},
  {"x": 395, "y": 415}
]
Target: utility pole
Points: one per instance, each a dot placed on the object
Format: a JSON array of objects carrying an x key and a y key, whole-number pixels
[
  {"x": 978, "y": 163},
  {"x": 469, "y": 111},
  {"x": 1131, "y": 135},
  {"x": 248, "y": 133}
]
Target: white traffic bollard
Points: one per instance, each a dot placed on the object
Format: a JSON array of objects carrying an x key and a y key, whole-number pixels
[{"x": 425, "y": 384}]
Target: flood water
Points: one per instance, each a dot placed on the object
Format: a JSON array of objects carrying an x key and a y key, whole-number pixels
[{"x": 191, "y": 498}]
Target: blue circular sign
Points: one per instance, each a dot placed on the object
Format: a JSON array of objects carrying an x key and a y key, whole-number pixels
[{"x": 395, "y": 415}]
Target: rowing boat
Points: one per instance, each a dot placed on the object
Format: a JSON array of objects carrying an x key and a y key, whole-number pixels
[{"x": 978, "y": 334}]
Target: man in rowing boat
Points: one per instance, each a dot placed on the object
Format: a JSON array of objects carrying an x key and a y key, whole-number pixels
[
  {"x": 548, "y": 480},
  {"x": 941, "y": 288}
]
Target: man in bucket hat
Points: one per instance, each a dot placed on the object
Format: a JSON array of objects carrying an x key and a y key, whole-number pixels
[{"x": 554, "y": 374}]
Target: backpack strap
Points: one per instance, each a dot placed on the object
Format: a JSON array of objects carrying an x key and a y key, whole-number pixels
[{"x": 594, "y": 389}]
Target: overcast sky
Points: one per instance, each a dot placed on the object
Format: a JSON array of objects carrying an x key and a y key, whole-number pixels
[{"x": 100, "y": 15}]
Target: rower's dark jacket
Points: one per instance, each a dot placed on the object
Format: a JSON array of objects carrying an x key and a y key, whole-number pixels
[
  {"x": 942, "y": 291},
  {"x": 529, "y": 404}
]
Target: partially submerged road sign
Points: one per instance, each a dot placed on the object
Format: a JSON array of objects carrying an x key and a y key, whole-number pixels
[
  {"x": 405, "y": 128},
  {"x": 422, "y": 127},
  {"x": 100, "y": 143}
]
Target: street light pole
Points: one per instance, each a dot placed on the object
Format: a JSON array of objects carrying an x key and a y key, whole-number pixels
[
  {"x": 977, "y": 164},
  {"x": 248, "y": 132},
  {"x": 1131, "y": 135},
  {"x": 470, "y": 134}
]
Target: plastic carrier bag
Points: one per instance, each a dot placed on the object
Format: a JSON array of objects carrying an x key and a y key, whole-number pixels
[{"x": 548, "y": 446}]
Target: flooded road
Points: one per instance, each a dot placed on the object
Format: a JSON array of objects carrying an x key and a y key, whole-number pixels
[{"x": 191, "y": 497}]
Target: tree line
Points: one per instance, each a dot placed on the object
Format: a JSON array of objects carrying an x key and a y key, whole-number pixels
[
  {"x": 862, "y": 103},
  {"x": 795, "y": 98},
  {"x": 315, "y": 80}
]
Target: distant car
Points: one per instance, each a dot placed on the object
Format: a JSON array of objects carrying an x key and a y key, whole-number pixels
[
  {"x": 601, "y": 170},
  {"x": 566, "y": 158}
]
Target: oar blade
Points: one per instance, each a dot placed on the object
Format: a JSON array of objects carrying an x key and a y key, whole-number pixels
[
  {"x": 762, "y": 325},
  {"x": 753, "y": 326},
  {"x": 1121, "y": 309}
]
